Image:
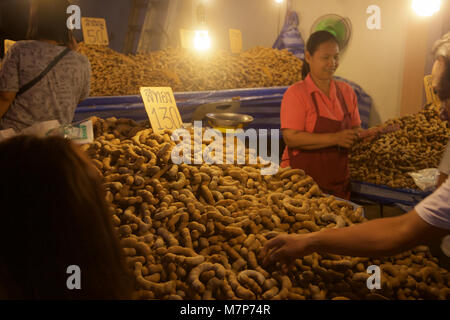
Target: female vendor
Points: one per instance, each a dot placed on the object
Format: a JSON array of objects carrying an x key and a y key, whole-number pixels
[{"x": 320, "y": 119}]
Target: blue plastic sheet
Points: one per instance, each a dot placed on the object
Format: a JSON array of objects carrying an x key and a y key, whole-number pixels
[
  {"x": 261, "y": 103},
  {"x": 386, "y": 195}
]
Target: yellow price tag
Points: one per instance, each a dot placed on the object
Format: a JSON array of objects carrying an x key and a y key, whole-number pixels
[
  {"x": 187, "y": 38},
  {"x": 235, "y": 40},
  {"x": 431, "y": 96},
  {"x": 161, "y": 108},
  {"x": 8, "y": 44},
  {"x": 94, "y": 31}
]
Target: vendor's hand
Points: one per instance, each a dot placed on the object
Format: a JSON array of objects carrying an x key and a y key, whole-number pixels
[
  {"x": 285, "y": 249},
  {"x": 346, "y": 138}
]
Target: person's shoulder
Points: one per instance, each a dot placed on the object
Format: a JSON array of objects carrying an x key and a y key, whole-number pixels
[
  {"x": 23, "y": 45},
  {"x": 80, "y": 58},
  {"x": 345, "y": 87},
  {"x": 296, "y": 88}
]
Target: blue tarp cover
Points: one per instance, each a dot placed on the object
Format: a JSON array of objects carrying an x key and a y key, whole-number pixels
[{"x": 263, "y": 104}]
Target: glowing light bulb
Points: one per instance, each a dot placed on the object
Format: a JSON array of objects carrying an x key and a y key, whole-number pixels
[
  {"x": 426, "y": 8},
  {"x": 202, "y": 40},
  {"x": 279, "y": 1}
]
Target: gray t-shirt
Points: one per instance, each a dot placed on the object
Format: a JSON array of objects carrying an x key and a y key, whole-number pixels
[
  {"x": 435, "y": 209},
  {"x": 55, "y": 96},
  {"x": 444, "y": 167}
]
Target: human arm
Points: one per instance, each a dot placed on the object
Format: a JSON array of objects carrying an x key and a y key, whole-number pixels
[
  {"x": 375, "y": 238},
  {"x": 381, "y": 237}
]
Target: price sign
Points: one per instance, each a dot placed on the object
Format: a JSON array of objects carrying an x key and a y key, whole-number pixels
[
  {"x": 8, "y": 44},
  {"x": 431, "y": 96},
  {"x": 187, "y": 38},
  {"x": 235, "y": 40},
  {"x": 161, "y": 108},
  {"x": 94, "y": 31}
]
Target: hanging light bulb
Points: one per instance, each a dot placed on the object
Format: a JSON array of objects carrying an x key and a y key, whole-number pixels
[
  {"x": 202, "y": 41},
  {"x": 426, "y": 8}
]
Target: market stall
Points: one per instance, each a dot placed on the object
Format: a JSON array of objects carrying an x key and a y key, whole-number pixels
[{"x": 192, "y": 211}]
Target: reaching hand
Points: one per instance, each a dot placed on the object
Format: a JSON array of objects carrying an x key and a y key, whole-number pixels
[
  {"x": 285, "y": 249},
  {"x": 346, "y": 138}
]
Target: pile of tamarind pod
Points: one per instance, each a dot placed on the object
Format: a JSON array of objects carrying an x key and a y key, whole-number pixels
[
  {"x": 387, "y": 159},
  {"x": 115, "y": 74},
  {"x": 196, "y": 231}
]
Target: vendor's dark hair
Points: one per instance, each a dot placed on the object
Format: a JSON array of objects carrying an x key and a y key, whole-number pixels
[
  {"x": 54, "y": 215},
  {"x": 312, "y": 45},
  {"x": 48, "y": 21}
]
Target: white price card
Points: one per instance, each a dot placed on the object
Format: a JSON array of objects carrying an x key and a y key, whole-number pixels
[
  {"x": 94, "y": 31},
  {"x": 161, "y": 108}
]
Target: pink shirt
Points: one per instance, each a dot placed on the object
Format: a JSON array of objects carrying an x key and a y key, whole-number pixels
[
  {"x": 435, "y": 209},
  {"x": 298, "y": 111}
]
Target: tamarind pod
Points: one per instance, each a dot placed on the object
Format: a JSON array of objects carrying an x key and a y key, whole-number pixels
[
  {"x": 232, "y": 189},
  {"x": 252, "y": 261},
  {"x": 240, "y": 175},
  {"x": 186, "y": 236},
  {"x": 190, "y": 261},
  {"x": 239, "y": 264},
  {"x": 140, "y": 247},
  {"x": 314, "y": 191},
  {"x": 227, "y": 290},
  {"x": 288, "y": 173},
  {"x": 285, "y": 287},
  {"x": 182, "y": 251},
  {"x": 224, "y": 211},
  {"x": 240, "y": 291},
  {"x": 217, "y": 195},
  {"x": 310, "y": 225},
  {"x": 165, "y": 213},
  {"x": 164, "y": 148},
  {"x": 219, "y": 258},
  {"x": 230, "y": 251},
  {"x": 210, "y": 286},
  {"x": 159, "y": 288},
  {"x": 115, "y": 186},
  {"x": 360, "y": 276},
  {"x": 295, "y": 296},
  {"x": 193, "y": 225},
  {"x": 304, "y": 208},
  {"x": 206, "y": 193},
  {"x": 250, "y": 284},
  {"x": 233, "y": 231},
  {"x": 161, "y": 172},
  {"x": 305, "y": 181},
  {"x": 225, "y": 203},
  {"x": 129, "y": 251},
  {"x": 260, "y": 279},
  {"x": 270, "y": 293},
  {"x": 340, "y": 298},
  {"x": 193, "y": 276},
  {"x": 170, "y": 239},
  {"x": 177, "y": 185}
]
